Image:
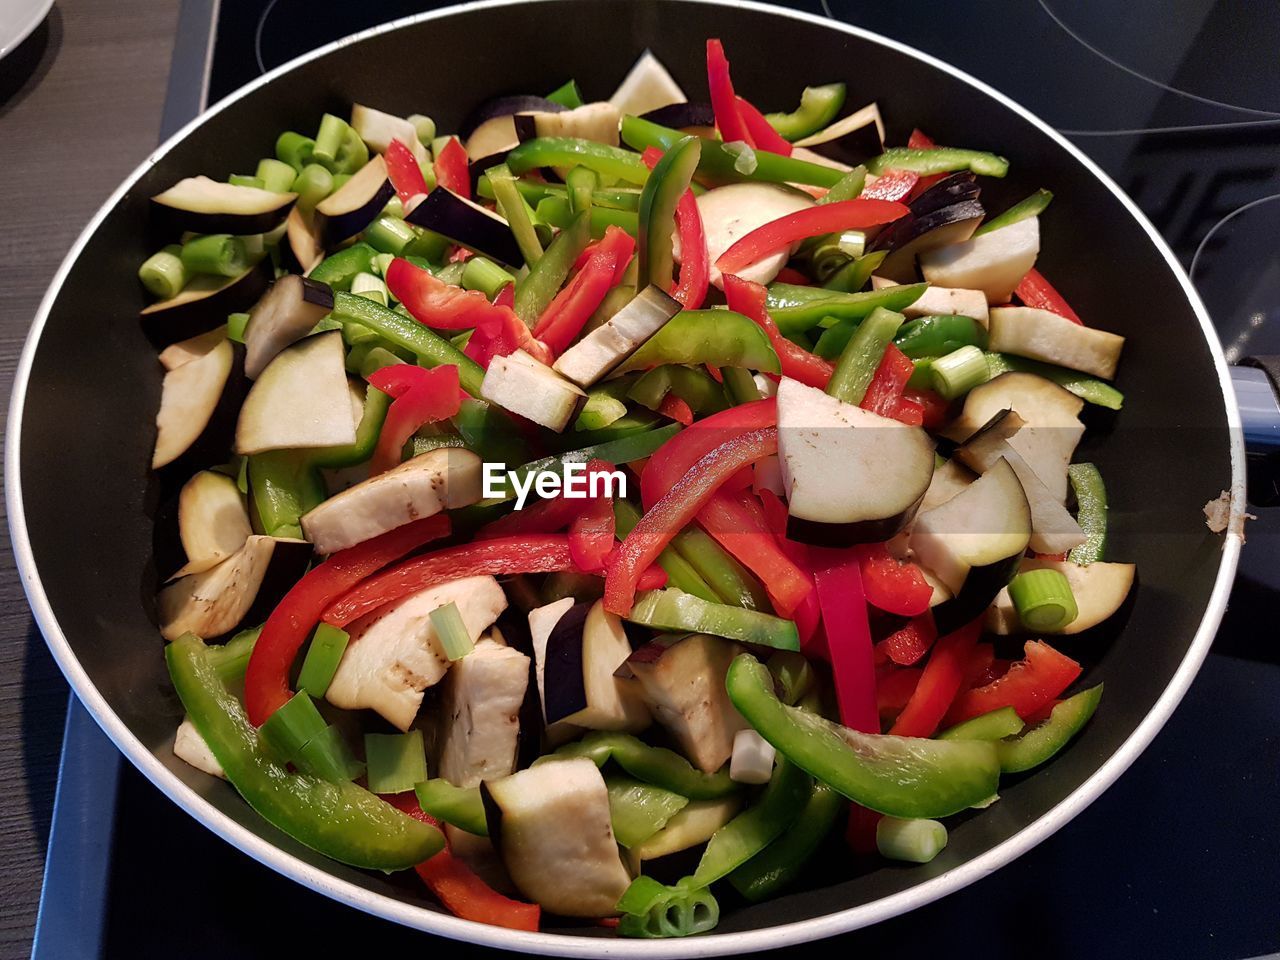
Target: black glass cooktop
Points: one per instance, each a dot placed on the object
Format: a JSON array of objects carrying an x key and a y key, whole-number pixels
[{"x": 1179, "y": 100}]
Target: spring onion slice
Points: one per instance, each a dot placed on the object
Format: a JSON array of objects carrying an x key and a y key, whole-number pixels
[
  {"x": 1043, "y": 599},
  {"x": 452, "y": 632},
  {"x": 915, "y": 841},
  {"x": 959, "y": 372},
  {"x": 322, "y": 659},
  {"x": 395, "y": 761}
]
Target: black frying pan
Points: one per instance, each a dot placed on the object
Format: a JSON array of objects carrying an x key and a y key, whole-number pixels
[{"x": 82, "y": 504}]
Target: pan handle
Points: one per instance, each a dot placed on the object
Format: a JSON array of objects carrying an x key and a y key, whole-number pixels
[{"x": 1257, "y": 385}]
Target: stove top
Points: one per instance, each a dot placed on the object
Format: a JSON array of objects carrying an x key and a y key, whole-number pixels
[{"x": 1179, "y": 100}]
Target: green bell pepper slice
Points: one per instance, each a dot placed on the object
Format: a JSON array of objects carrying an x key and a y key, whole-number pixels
[
  {"x": 667, "y": 183},
  {"x": 794, "y": 675},
  {"x": 852, "y": 277},
  {"x": 721, "y": 338},
  {"x": 639, "y": 810},
  {"x": 546, "y": 275},
  {"x": 672, "y": 610},
  {"x": 797, "y": 309},
  {"x": 458, "y": 806},
  {"x": 939, "y": 160},
  {"x": 779, "y": 864},
  {"x": 1089, "y": 389},
  {"x": 681, "y": 574},
  {"x": 376, "y": 405},
  {"x": 339, "y": 269},
  {"x": 558, "y": 213},
  {"x": 994, "y": 725},
  {"x": 605, "y": 404},
  {"x": 1032, "y": 206},
  {"x": 818, "y": 108},
  {"x": 862, "y": 355},
  {"x": 338, "y": 819},
  {"x": 491, "y": 432},
  {"x": 568, "y": 95},
  {"x": 729, "y": 580},
  {"x": 1091, "y": 512},
  {"x": 612, "y": 162},
  {"x": 231, "y": 659},
  {"x": 899, "y": 776},
  {"x": 656, "y": 765},
  {"x": 1039, "y": 744},
  {"x": 937, "y": 336},
  {"x": 692, "y": 385},
  {"x": 285, "y": 484}
]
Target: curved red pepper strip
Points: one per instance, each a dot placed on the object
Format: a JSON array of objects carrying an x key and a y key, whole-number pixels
[
  {"x": 939, "y": 684},
  {"x": 844, "y": 617},
  {"x": 884, "y": 393},
  {"x": 676, "y": 409},
  {"x": 894, "y": 689},
  {"x": 266, "y": 681},
  {"x": 724, "y": 102},
  {"x": 403, "y": 172},
  {"x": 1035, "y": 291},
  {"x": 908, "y": 645},
  {"x": 808, "y": 614},
  {"x": 893, "y": 585},
  {"x": 738, "y": 524},
  {"x": 761, "y": 130},
  {"x": 695, "y": 267},
  {"x": 458, "y": 888},
  {"x": 1029, "y": 684},
  {"x": 891, "y": 185},
  {"x": 674, "y": 511},
  {"x": 568, "y": 313},
  {"x": 677, "y": 456},
  {"x": 421, "y": 397},
  {"x": 451, "y": 168},
  {"x": 980, "y": 670},
  {"x": 933, "y": 408},
  {"x": 749, "y": 299},
  {"x": 809, "y": 222}
]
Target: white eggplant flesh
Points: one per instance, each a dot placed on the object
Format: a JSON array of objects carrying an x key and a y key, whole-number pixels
[
  {"x": 731, "y": 212},
  {"x": 184, "y": 351},
  {"x": 355, "y": 204},
  {"x": 204, "y": 205},
  {"x": 214, "y": 601},
  {"x": 542, "y": 620},
  {"x": 943, "y": 301},
  {"x": 993, "y": 262},
  {"x": 440, "y": 479},
  {"x": 304, "y": 241},
  {"x": 301, "y": 400},
  {"x": 394, "y": 653},
  {"x": 647, "y": 86},
  {"x": 1099, "y": 588},
  {"x": 949, "y": 479},
  {"x": 591, "y": 121},
  {"x": 191, "y": 748},
  {"x": 189, "y": 396},
  {"x": 213, "y": 521},
  {"x": 480, "y": 715},
  {"x": 596, "y": 354},
  {"x": 520, "y": 384},
  {"x": 552, "y": 826},
  {"x": 377, "y": 129},
  {"x": 579, "y": 684},
  {"x": 287, "y": 312},
  {"x": 1044, "y": 335}
]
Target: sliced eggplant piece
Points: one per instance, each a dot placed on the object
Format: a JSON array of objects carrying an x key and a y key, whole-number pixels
[
  {"x": 467, "y": 224},
  {"x": 533, "y": 390},
  {"x": 646, "y": 87},
  {"x": 584, "y": 649},
  {"x": 204, "y": 304},
  {"x": 394, "y": 653},
  {"x": 949, "y": 479},
  {"x": 189, "y": 395},
  {"x": 440, "y": 479},
  {"x": 216, "y": 600},
  {"x": 542, "y": 620},
  {"x": 213, "y": 521},
  {"x": 855, "y": 138},
  {"x": 552, "y": 827},
  {"x": 732, "y": 211},
  {"x": 1100, "y": 589},
  {"x": 942, "y": 301},
  {"x": 378, "y": 129},
  {"x": 851, "y": 475},
  {"x": 355, "y": 204},
  {"x": 304, "y": 244},
  {"x": 300, "y": 400},
  {"x": 287, "y": 312},
  {"x": 993, "y": 262},
  {"x": 682, "y": 116},
  {"x": 201, "y": 205},
  {"x": 190, "y": 747},
  {"x": 981, "y": 587},
  {"x": 1044, "y": 335},
  {"x": 184, "y": 351},
  {"x": 480, "y": 714},
  {"x": 1053, "y": 529},
  {"x": 489, "y": 128},
  {"x": 984, "y": 525},
  {"x": 591, "y": 121},
  {"x": 953, "y": 188},
  {"x": 479, "y": 854},
  {"x": 916, "y": 235},
  {"x": 810, "y": 156},
  {"x": 1051, "y": 429},
  {"x": 607, "y": 346},
  {"x": 683, "y": 683}
]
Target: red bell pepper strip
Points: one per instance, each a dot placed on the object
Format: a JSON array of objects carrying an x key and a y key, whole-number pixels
[
  {"x": 266, "y": 680},
  {"x": 892, "y": 585},
  {"x": 794, "y": 277},
  {"x": 676, "y": 409},
  {"x": 933, "y": 408},
  {"x": 674, "y": 511},
  {"x": 739, "y": 525},
  {"x": 1035, "y": 291},
  {"x": 591, "y": 534},
  {"x": 451, "y": 168},
  {"x": 421, "y": 397},
  {"x": 808, "y": 614},
  {"x": 724, "y": 102},
  {"x": 977, "y": 670},
  {"x": 506, "y": 296},
  {"x": 939, "y": 684},
  {"x": 749, "y": 299},
  {"x": 893, "y": 185},
  {"x": 459, "y": 889},
  {"x": 884, "y": 393},
  {"x": 761, "y": 130},
  {"x": 695, "y": 268},
  {"x": 894, "y": 688},
  {"x": 573, "y": 306},
  {"x": 677, "y": 456},
  {"x": 545, "y": 553},
  {"x": 404, "y": 173},
  {"x": 844, "y": 617},
  {"x": 809, "y": 222},
  {"x": 908, "y": 645},
  {"x": 1039, "y": 677}
]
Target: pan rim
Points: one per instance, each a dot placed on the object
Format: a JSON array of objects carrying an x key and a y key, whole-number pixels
[{"x": 430, "y": 921}]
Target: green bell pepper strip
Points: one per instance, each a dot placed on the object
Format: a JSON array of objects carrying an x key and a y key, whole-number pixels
[
  {"x": 540, "y": 285},
  {"x": 862, "y": 355},
  {"x": 995, "y": 725},
  {"x": 431, "y": 349},
  {"x": 458, "y": 806},
  {"x": 721, "y": 338},
  {"x": 639, "y": 810},
  {"x": 568, "y": 95},
  {"x": 848, "y": 187},
  {"x": 938, "y": 336},
  {"x": 557, "y": 212},
  {"x": 667, "y": 183},
  {"x": 740, "y": 385},
  {"x": 796, "y": 313},
  {"x": 818, "y": 108},
  {"x": 285, "y": 484},
  {"x": 580, "y": 185},
  {"x": 1088, "y": 389},
  {"x": 340, "y": 820},
  {"x": 691, "y": 384},
  {"x": 231, "y": 658},
  {"x": 719, "y": 162},
  {"x": 490, "y": 432},
  {"x": 604, "y": 404},
  {"x": 376, "y": 405},
  {"x": 1091, "y": 512},
  {"x": 339, "y": 269},
  {"x": 1032, "y": 206},
  {"x": 612, "y": 162},
  {"x": 680, "y": 572},
  {"x": 651, "y": 911},
  {"x": 729, "y": 580},
  {"x": 899, "y": 776},
  {"x": 657, "y": 765},
  {"x": 673, "y": 610},
  {"x": 512, "y": 206},
  {"x": 852, "y": 277},
  {"x": 938, "y": 160},
  {"x": 794, "y": 674},
  {"x": 834, "y": 339},
  {"x": 779, "y": 864},
  {"x": 755, "y": 828},
  {"x": 1039, "y": 744}
]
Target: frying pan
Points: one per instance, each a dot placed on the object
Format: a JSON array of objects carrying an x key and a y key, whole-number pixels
[{"x": 82, "y": 504}]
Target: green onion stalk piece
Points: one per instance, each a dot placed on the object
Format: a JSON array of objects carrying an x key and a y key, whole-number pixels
[
  {"x": 486, "y": 276},
  {"x": 295, "y": 150},
  {"x": 236, "y": 324},
  {"x": 568, "y": 95},
  {"x": 289, "y": 729},
  {"x": 389, "y": 234},
  {"x": 515, "y": 210},
  {"x": 328, "y": 756},
  {"x": 958, "y": 372},
  {"x": 276, "y": 175},
  {"x": 163, "y": 273},
  {"x": 915, "y": 841},
  {"x": 451, "y": 631},
  {"x": 651, "y": 911},
  {"x": 1043, "y": 599},
  {"x": 312, "y": 185},
  {"x": 338, "y": 147},
  {"x": 371, "y": 287},
  {"x": 219, "y": 254},
  {"x": 396, "y": 761},
  {"x": 324, "y": 653}
]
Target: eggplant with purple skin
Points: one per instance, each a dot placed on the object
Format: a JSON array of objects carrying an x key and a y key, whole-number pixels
[
  {"x": 851, "y": 475},
  {"x": 213, "y": 521},
  {"x": 916, "y": 235},
  {"x": 202, "y": 205},
  {"x": 355, "y": 204},
  {"x": 591, "y": 121},
  {"x": 204, "y": 304},
  {"x": 190, "y": 394},
  {"x": 286, "y": 313},
  {"x": 647, "y": 86},
  {"x": 682, "y": 116},
  {"x": 851, "y": 140},
  {"x": 467, "y": 224},
  {"x": 584, "y": 649},
  {"x": 490, "y": 128}
]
